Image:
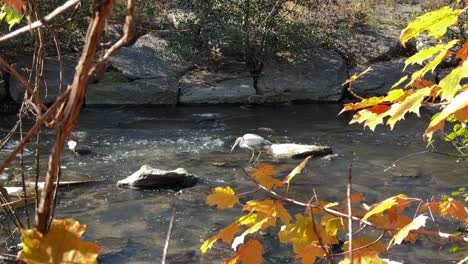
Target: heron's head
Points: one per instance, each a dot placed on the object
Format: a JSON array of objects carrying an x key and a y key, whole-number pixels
[
  {"x": 71, "y": 145},
  {"x": 238, "y": 140}
]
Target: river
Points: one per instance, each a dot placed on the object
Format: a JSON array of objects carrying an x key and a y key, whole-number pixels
[{"x": 131, "y": 224}]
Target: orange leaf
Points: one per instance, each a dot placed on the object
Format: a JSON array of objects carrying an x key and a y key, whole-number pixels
[
  {"x": 309, "y": 253},
  {"x": 365, "y": 250},
  {"x": 296, "y": 171},
  {"x": 461, "y": 115},
  {"x": 264, "y": 176},
  {"x": 253, "y": 229},
  {"x": 365, "y": 103},
  {"x": 15, "y": 4},
  {"x": 250, "y": 253},
  {"x": 454, "y": 208},
  {"x": 226, "y": 235},
  {"x": 399, "y": 201},
  {"x": 462, "y": 53},
  {"x": 404, "y": 232},
  {"x": 433, "y": 206},
  {"x": 222, "y": 197},
  {"x": 62, "y": 244}
]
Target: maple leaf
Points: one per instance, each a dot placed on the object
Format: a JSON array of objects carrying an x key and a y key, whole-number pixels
[
  {"x": 433, "y": 64},
  {"x": 264, "y": 176},
  {"x": 357, "y": 76},
  {"x": 432, "y": 206},
  {"x": 62, "y": 244},
  {"x": 222, "y": 197},
  {"x": 400, "y": 201},
  {"x": 435, "y": 22},
  {"x": 269, "y": 207},
  {"x": 371, "y": 119},
  {"x": 249, "y": 253},
  {"x": 15, "y": 4},
  {"x": 454, "y": 208},
  {"x": 296, "y": 171},
  {"x": 402, "y": 79},
  {"x": 365, "y": 250},
  {"x": 462, "y": 53},
  {"x": 450, "y": 84},
  {"x": 364, "y": 103},
  {"x": 333, "y": 225},
  {"x": 253, "y": 229},
  {"x": 423, "y": 55},
  {"x": 357, "y": 198},
  {"x": 461, "y": 115},
  {"x": 411, "y": 104},
  {"x": 404, "y": 232},
  {"x": 460, "y": 101},
  {"x": 301, "y": 233},
  {"x": 226, "y": 235},
  {"x": 309, "y": 254}
]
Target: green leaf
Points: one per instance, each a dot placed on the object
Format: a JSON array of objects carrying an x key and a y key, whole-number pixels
[{"x": 10, "y": 15}]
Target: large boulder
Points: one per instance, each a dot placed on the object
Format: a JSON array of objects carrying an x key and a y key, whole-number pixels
[
  {"x": 383, "y": 75},
  {"x": 143, "y": 79},
  {"x": 51, "y": 74},
  {"x": 204, "y": 87},
  {"x": 152, "y": 91},
  {"x": 150, "y": 178},
  {"x": 367, "y": 44},
  {"x": 3, "y": 88},
  {"x": 296, "y": 151},
  {"x": 315, "y": 76}
]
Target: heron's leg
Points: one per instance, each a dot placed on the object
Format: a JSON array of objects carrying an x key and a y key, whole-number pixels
[
  {"x": 258, "y": 157},
  {"x": 253, "y": 156}
]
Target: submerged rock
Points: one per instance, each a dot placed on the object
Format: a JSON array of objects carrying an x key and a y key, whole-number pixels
[
  {"x": 295, "y": 151},
  {"x": 150, "y": 178}
]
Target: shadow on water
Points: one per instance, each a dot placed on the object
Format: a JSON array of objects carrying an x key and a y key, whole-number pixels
[{"x": 131, "y": 225}]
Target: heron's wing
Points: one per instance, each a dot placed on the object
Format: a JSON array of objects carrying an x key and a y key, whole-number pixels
[{"x": 253, "y": 141}]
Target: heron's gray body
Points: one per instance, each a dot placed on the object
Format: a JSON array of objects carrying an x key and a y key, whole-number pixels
[{"x": 252, "y": 142}]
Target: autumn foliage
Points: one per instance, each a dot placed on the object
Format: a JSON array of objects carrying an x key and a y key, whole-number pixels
[
  {"x": 321, "y": 227},
  {"x": 410, "y": 93}
]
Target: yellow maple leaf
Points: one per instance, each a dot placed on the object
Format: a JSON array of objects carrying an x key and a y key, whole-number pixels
[
  {"x": 357, "y": 76},
  {"x": 249, "y": 253},
  {"x": 301, "y": 233},
  {"x": 269, "y": 207},
  {"x": 253, "y": 229},
  {"x": 435, "y": 22},
  {"x": 404, "y": 232},
  {"x": 264, "y": 176},
  {"x": 365, "y": 250},
  {"x": 460, "y": 101},
  {"x": 454, "y": 208},
  {"x": 400, "y": 201},
  {"x": 296, "y": 171},
  {"x": 411, "y": 104},
  {"x": 424, "y": 54},
  {"x": 222, "y": 197},
  {"x": 309, "y": 254},
  {"x": 226, "y": 235},
  {"x": 364, "y": 103},
  {"x": 62, "y": 244},
  {"x": 432, "y": 64},
  {"x": 450, "y": 84}
]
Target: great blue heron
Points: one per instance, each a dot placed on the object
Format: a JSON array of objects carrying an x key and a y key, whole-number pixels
[
  {"x": 72, "y": 145},
  {"x": 252, "y": 142}
]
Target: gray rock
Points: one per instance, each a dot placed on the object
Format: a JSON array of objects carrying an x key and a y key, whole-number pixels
[
  {"x": 369, "y": 44},
  {"x": 316, "y": 76},
  {"x": 3, "y": 89},
  {"x": 140, "y": 63},
  {"x": 150, "y": 178},
  {"x": 51, "y": 74},
  {"x": 380, "y": 79},
  {"x": 203, "y": 87},
  {"x": 294, "y": 151},
  {"x": 153, "y": 91}
]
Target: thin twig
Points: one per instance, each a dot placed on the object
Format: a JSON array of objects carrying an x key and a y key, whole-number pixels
[
  {"x": 350, "y": 221},
  {"x": 168, "y": 237}
]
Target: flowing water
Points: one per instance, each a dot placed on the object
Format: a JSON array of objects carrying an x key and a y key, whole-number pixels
[{"x": 131, "y": 225}]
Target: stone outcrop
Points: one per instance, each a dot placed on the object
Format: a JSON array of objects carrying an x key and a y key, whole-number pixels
[
  {"x": 204, "y": 87},
  {"x": 150, "y": 178},
  {"x": 51, "y": 74},
  {"x": 315, "y": 76}
]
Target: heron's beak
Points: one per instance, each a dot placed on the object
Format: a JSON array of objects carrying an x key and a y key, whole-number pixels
[{"x": 235, "y": 144}]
